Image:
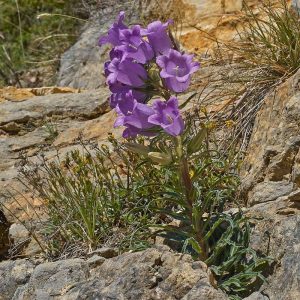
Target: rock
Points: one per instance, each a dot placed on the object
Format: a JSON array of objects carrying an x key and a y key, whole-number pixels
[
  {"x": 86, "y": 105},
  {"x": 269, "y": 191},
  {"x": 82, "y": 65},
  {"x": 270, "y": 183},
  {"x": 18, "y": 233},
  {"x": 14, "y": 274},
  {"x": 105, "y": 252},
  {"x": 257, "y": 296},
  {"x": 53, "y": 280},
  {"x": 95, "y": 261},
  {"x": 278, "y": 235},
  {"x": 149, "y": 274},
  {"x": 274, "y": 144}
]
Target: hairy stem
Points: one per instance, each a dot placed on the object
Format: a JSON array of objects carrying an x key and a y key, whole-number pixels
[{"x": 189, "y": 196}]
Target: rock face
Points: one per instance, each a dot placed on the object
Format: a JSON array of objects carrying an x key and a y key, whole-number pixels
[
  {"x": 14, "y": 274},
  {"x": 82, "y": 65},
  {"x": 47, "y": 124},
  {"x": 271, "y": 186},
  {"x": 150, "y": 274}
]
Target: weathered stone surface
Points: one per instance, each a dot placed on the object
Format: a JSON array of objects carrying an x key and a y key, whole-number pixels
[
  {"x": 150, "y": 274},
  {"x": 278, "y": 235},
  {"x": 257, "y": 296},
  {"x": 275, "y": 141},
  {"x": 105, "y": 252},
  {"x": 18, "y": 233},
  {"x": 269, "y": 190},
  {"x": 53, "y": 280},
  {"x": 14, "y": 274},
  {"x": 82, "y": 65},
  {"x": 270, "y": 183},
  {"x": 88, "y": 104}
]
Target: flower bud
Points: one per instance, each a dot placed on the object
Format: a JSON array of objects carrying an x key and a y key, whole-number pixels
[
  {"x": 160, "y": 158},
  {"x": 138, "y": 148}
]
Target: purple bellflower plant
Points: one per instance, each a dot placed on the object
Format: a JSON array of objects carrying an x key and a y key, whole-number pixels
[
  {"x": 133, "y": 115},
  {"x": 144, "y": 64}
]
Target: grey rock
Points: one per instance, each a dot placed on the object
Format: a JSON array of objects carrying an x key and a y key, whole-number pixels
[
  {"x": 14, "y": 274},
  {"x": 53, "y": 280},
  {"x": 257, "y": 296},
  {"x": 269, "y": 191},
  {"x": 106, "y": 252},
  {"x": 18, "y": 233},
  {"x": 86, "y": 105},
  {"x": 278, "y": 235},
  {"x": 149, "y": 274},
  {"x": 95, "y": 261},
  {"x": 82, "y": 65},
  {"x": 275, "y": 139},
  {"x": 270, "y": 183}
]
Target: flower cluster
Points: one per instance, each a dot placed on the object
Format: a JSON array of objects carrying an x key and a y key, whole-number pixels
[{"x": 143, "y": 64}]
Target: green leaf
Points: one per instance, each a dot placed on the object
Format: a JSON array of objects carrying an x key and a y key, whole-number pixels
[{"x": 196, "y": 142}]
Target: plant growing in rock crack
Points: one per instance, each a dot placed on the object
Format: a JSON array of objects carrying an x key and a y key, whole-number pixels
[
  {"x": 168, "y": 169},
  {"x": 146, "y": 64}
]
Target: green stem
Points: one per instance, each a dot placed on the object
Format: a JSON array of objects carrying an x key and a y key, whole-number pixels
[{"x": 189, "y": 196}]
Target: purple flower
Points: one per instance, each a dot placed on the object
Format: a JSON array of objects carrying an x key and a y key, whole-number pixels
[
  {"x": 114, "y": 34},
  {"x": 119, "y": 92},
  {"x": 177, "y": 69},
  {"x": 133, "y": 45},
  {"x": 167, "y": 116},
  {"x": 127, "y": 72},
  {"x": 133, "y": 115},
  {"x": 158, "y": 36}
]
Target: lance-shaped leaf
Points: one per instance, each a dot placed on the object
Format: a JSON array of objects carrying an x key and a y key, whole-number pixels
[{"x": 196, "y": 142}]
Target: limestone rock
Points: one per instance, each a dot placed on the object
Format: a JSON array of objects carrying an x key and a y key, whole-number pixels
[
  {"x": 18, "y": 233},
  {"x": 275, "y": 141},
  {"x": 105, "y": 252},
  {"x": 88, "y": 104},
  {"x": 150, "y": 274},
  {"x": 14, "y": 274},
  {"x": 270, "y": 183},
  {"x": 82, "y": 65}
]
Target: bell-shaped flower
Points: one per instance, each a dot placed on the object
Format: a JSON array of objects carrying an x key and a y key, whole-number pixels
[
  {"x": 133, "y": 115},
  {"x": 176, "y": 69},
  {"x": 158, "y": 37},
  {"x": 127, "y": 72},
  {"x": 167, "y": 116},
  {"x": 119, "y": 93},
  {"x": 134, "y": 46},
  {"x": 114, "y": 34}
]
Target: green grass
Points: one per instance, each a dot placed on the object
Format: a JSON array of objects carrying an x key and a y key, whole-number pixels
[
  {"x": 270, "y": 41},
  {"x": 28, "y": 42}
]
